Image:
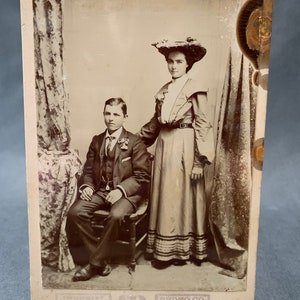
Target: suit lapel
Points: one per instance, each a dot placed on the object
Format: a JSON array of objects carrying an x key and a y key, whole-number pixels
[
  {"x": 102, "y": 146},
  {"x": 118, "y": 146},
  {"x": 101, "y": 152}
]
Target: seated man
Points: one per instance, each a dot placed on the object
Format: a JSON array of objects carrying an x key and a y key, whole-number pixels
[{"x": 116, "y": 176}]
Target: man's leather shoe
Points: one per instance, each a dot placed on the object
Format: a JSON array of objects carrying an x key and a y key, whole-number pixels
[
  {"x": 86, "y": 273},
  {"x": 90, "y": 271}
]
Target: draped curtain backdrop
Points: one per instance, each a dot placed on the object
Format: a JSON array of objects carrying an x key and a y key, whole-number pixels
[
  {"x": 231, "y": 187},
  {"x": 58, "y": 164}
]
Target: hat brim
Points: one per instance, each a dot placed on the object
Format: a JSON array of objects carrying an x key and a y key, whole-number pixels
[{"x": 196, "y": 52}]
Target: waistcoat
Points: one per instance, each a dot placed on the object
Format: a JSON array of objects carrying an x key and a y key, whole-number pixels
[{"x": 108, "y": 167}]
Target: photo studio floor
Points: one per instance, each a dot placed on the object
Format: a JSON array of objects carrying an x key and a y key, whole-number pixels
[{"x": 188, "y": 277}]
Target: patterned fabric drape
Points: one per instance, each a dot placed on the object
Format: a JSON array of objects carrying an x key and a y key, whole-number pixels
[
  {"x": 58, "y": 165},
  {"x": 52, "y": 114},
  {"x": 57, "y": 190},
  {"x": 231, "y": 187}
]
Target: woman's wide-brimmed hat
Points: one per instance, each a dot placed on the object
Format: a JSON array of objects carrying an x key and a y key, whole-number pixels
[{"x": 190, "y": 46}]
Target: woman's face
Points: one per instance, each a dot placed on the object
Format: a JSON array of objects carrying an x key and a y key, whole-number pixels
[{"x": 177, "y": 64}]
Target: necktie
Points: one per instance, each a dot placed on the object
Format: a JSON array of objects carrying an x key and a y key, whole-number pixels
[{"x": 108, "y": 146}]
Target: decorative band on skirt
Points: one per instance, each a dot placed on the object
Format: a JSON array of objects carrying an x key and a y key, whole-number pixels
[{"x": 177, "y": 246}]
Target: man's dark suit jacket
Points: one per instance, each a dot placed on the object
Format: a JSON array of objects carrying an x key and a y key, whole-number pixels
[{"x": 131, "y": 171}]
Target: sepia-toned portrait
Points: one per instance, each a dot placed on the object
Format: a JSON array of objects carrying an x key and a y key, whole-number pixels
[{"x": 144, "y": 137}]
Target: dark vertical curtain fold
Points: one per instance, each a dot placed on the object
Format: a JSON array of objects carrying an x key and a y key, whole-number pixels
[
  {"x": 231, "y": 187},
  {"x": 53, "y": 128},
  {"x": 58, "y": 164}
]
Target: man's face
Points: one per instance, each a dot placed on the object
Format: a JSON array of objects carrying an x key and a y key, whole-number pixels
[{"x": 113, "y": 117}]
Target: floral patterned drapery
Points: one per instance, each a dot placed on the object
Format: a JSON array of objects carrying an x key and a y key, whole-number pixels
[
  {"x": 57, "y": 189},
  {"x": 52, "y": 114},
  {"x": 58, "y": 165},
  {"x": 231, "y": 187}
]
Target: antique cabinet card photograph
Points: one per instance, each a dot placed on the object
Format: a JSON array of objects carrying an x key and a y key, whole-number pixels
[{"x": 144, "y": 146}]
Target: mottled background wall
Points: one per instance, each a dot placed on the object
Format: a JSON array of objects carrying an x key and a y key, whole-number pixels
[{"x": 108, "y": 53}]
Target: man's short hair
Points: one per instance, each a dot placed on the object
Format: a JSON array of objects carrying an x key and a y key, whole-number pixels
[{"x": 117, "y": 101}]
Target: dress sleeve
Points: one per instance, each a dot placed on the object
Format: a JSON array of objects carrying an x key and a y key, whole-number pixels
[
  {"x": 149, "y": 132},
  {"x": 204, "y": 142}
]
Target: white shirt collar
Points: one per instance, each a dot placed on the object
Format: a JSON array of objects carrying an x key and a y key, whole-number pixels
[
  {"x": 181, "y": 80},
  {"x": 115, "y": 134}
]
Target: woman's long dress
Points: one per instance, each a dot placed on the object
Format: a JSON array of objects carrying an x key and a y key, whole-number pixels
[{"x": 177, "y": 227}]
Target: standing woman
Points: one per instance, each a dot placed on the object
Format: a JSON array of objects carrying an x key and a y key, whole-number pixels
[{"x": 177, "y": 227}]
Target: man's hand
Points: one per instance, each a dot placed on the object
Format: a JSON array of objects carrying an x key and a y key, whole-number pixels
[
  {"x": 87, "y": 193},
  {"x": 114, "y": 196},
  {"x": 197, "y": 173}
]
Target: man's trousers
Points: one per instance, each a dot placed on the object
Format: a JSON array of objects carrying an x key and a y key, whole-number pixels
[{"x": 81, "y": 213}]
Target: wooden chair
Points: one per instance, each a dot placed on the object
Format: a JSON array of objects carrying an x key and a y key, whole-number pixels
[{"x": 133, "y": 227}]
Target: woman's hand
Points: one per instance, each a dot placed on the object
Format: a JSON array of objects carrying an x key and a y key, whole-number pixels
[
  {"x": 114, "y": 196},
  {"x": 87, "y": 194},
  {"x": 197, "y": 173}
]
